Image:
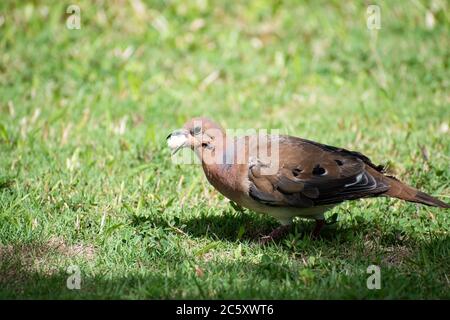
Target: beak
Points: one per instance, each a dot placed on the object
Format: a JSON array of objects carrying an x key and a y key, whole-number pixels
[{"x": 177, "y": 140}]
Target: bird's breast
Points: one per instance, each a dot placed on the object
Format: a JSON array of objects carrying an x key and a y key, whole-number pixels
[{"x": 227, "y": 180}]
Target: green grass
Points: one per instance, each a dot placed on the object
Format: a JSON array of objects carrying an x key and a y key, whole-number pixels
[{"x": 86, "y": 178}]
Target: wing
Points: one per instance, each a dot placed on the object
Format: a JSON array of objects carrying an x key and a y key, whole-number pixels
[{"x": 312, "y": 174}]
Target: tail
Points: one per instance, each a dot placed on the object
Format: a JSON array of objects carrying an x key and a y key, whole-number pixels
[{"x": 402, "y": 191}]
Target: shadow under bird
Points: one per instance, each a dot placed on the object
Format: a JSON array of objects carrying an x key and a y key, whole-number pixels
[{"x": 298, "y": 178}]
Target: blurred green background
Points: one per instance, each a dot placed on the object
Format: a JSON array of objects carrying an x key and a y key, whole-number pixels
[{"x": 86, "y": 178}]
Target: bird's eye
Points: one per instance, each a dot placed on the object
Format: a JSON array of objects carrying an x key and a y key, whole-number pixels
[{"x": 196, "y": 130}]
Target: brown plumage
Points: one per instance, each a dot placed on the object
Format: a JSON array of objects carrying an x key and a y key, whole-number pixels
[{"x": 304, "y": 178}]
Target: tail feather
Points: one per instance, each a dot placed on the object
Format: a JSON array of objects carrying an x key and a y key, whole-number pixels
[
  {"x": 402, "y": 191},
  {"x": 424, "y": 198}
]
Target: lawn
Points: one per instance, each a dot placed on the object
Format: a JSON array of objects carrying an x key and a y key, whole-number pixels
[{"x": 86, "y": 178}]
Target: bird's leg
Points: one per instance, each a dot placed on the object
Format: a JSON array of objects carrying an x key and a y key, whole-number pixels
[
  {"x": 276, "y": 234},
  {"x": 320, "y": 223}
]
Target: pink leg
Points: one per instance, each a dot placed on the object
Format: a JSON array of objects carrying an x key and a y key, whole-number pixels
[
  {"x": 276, "y": 234},
  {"x": 319, "y": 225}
]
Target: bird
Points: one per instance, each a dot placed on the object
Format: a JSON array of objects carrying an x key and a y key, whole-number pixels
[{"x": 286, "y": 176}]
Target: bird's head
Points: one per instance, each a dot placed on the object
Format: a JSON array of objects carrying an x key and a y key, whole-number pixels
[{"x": 200, "y": 134}]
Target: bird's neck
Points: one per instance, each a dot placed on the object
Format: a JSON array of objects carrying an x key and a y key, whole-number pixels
[{"x": 221, "y": 173}]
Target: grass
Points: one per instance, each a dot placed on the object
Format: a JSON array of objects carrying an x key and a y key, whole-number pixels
[{"x": 86, "y": 178}]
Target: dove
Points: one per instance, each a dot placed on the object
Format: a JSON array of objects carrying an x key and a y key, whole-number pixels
[{"x": 286, "y": 176}]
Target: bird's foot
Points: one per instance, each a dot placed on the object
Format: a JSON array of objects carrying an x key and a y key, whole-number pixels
[
  {"x": 321, "y": 223},
  {"x": 275, "y": 234}
]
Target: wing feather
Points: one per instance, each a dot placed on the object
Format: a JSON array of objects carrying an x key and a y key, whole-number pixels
[{"x": 312, "y": 174}]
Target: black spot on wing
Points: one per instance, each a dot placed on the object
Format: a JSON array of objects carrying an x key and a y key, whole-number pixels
[
  {"x": 296, "y": 172},
  {"x": 318, "y": 170}
]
